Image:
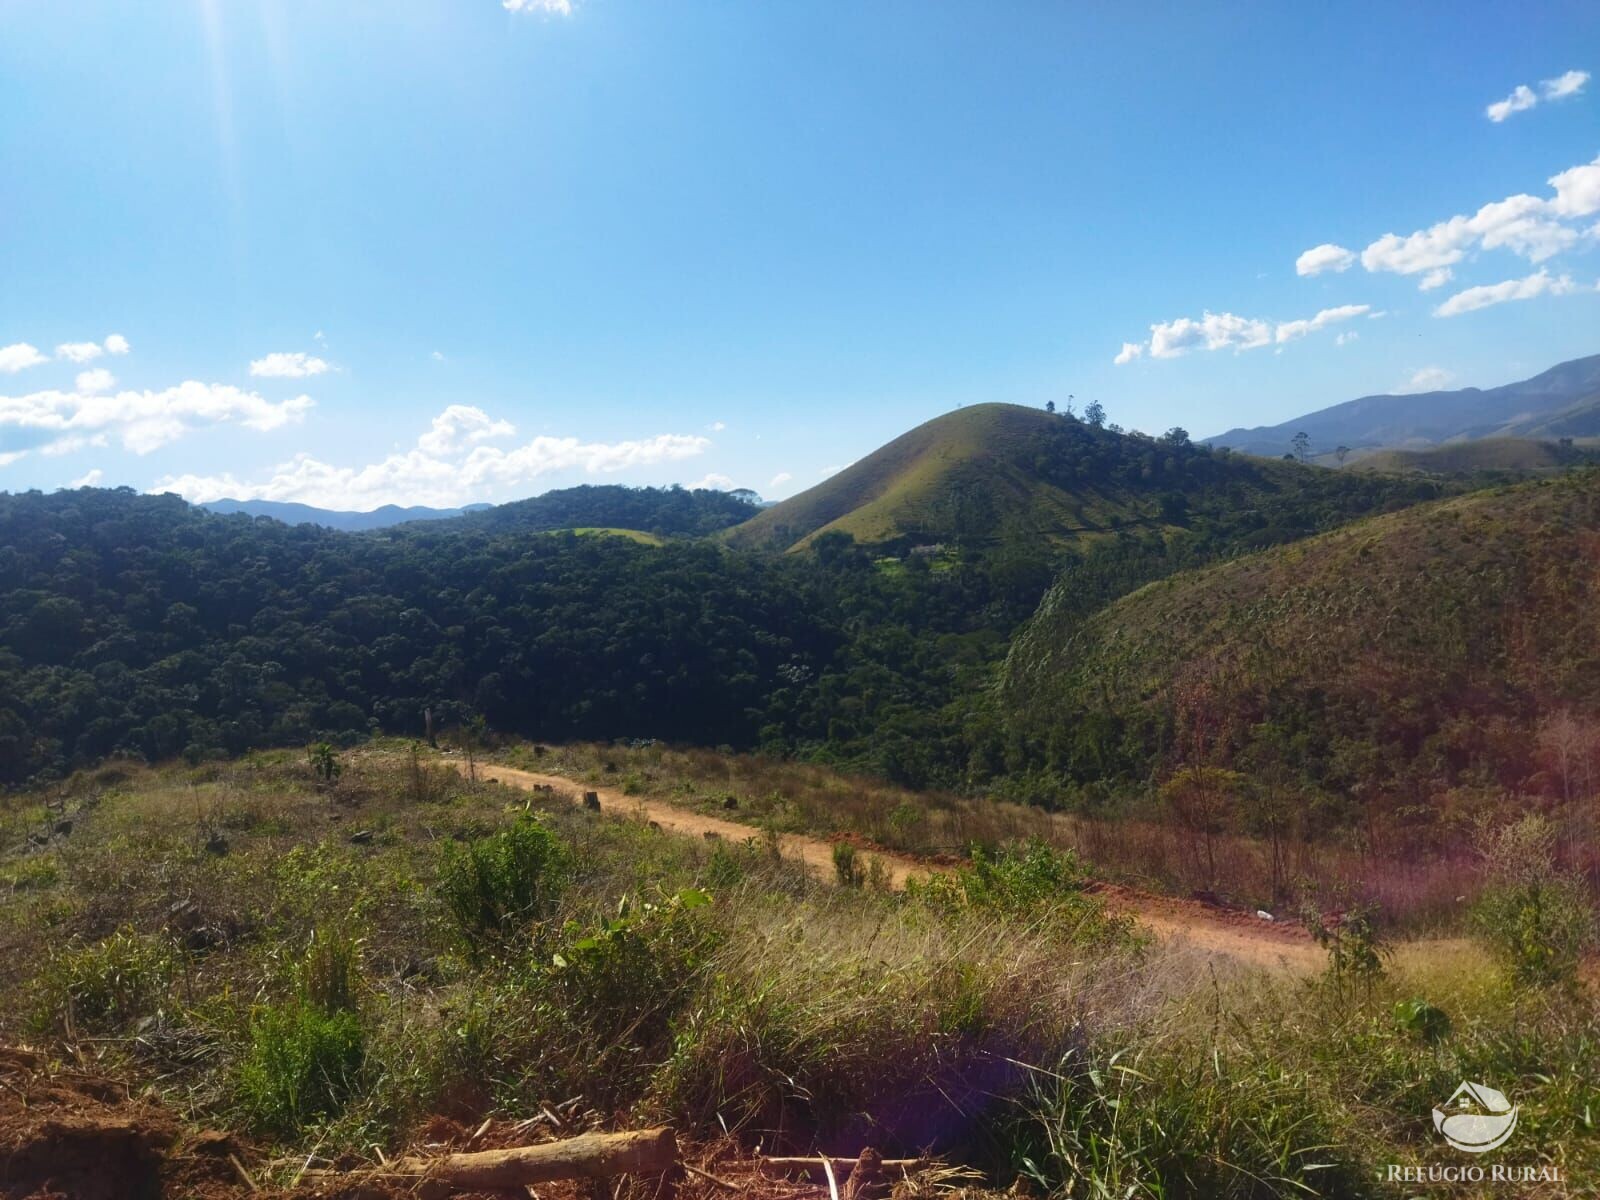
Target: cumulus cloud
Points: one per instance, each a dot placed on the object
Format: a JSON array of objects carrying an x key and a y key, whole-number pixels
[
  {"x": 459, "y": 426},
  {"x": 1521, "y": 99},
  {"x": 117, "y": 344},
  {"x": 451, "y": 464},
  {"x": 95, "y": 381},
  {"x": 1326, "y": 257},
  {"x": 1436, "y": 278},
  {"x": 7, "y": 457},
  {"x": 1288, "y": 331},
  {"x": 1540, "y": 283},
  {"x": 1533, "y": 227},
  {"x": 714, "y": 482},
  {"x": 144, "y": 420},
  {"x": 79, "y": 352},
  {"x": 19, "y": 357},
  {"x": 1569, "y": 83},
  {"x": 90, "y": 479},
  {"x": 1213, "y": 331},
  {"x": 296, "y": 365},
  {"x": 1428, "y": 379},
  {"x": 1226, "y": 331}
]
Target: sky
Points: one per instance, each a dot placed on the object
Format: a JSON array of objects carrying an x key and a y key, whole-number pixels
[{"x": 471, "y": 250}]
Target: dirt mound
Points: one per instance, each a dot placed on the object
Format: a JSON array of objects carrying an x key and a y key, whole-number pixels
[{"x": 67, "y": 1135}]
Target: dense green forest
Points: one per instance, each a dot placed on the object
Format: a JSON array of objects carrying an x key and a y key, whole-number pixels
[{"x": 139, "y": 625}]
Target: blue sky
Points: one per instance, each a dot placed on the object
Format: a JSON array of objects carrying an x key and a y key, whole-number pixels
[{"x": 366, "y": 252}]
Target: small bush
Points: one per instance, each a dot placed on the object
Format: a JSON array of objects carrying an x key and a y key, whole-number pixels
[
  {"x": 106, "y": 985},
  {"x": 846, "y": 865},
  {"x": 1109, "y": 1124},
  {"x": 306, "y": 1054},
  {"x": 303, "y": 1063},
  {"x": 1536, "y": 919},
  {"x": 497, "y": 884}
]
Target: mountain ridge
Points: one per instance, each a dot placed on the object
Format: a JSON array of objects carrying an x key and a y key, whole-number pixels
[{"x": 1567, "y": 394}]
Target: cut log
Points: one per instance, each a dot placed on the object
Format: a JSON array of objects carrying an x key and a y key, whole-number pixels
[{"x": 588, "y": 1156}]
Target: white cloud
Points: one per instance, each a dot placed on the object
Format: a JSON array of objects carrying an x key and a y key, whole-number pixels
[
  {"x": 1326, "y": 257},
  {"x": 778, "y": 480},
  {"x": 1520, "y": 100},
  {"x": 1529, "y": 226},
  {"x": 1568, "y": 84},
  {"x": 1539, "y": 283},
  {"x": 438, "y": 356},
  {"x": 460, "y": 426},
  {"x": 146, "y": 420},
  {"x": 717, "y": 426},
  {"x": 79, "y": 352},
  {"x": 7, "y": 457},
  {"x": 19, "y": 357},
  {"x": 713, "y": 482},
  {"x": 91, "y": 479},
  {"x": 72, "y": 444},
  {"x": 447, "y": 467},
  {"x": 1428, "y": 379},
  {"x": 1345, "y": 338},
  {"x": 1288, "y": 331},
  {"x": 550, "y": 8},
  {"x": 1213, "y": 331},
  {"x": 1436, "y": 278},
  {"x": 117, "y": 344},
  {"x": 1577, "y": 190},
  {"x": 1222, "y": 331},
  {"x": 94, "y": 381},
  {"x": 283, "y": 365},
  {"x": 834, "y": 470}
]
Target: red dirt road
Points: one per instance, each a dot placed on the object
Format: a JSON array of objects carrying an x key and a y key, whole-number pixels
[{"x": 1238, "y": 935}]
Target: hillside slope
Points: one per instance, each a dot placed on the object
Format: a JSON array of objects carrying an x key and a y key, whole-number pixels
[
  {"x": 1561, "y": 402},
  {"x": 1415, "y": 651},
  {"x": 1484, "y": 454},
  {"x": 1001, "y": 473},
  {"x": 291, "y": 513}
]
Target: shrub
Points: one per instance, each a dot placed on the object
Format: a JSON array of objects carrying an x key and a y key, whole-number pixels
[
  {"x": 303, "y": 1063},
  {"x": 497, "y": 884},
  {"x": 1104, "y": 1124},
  {"x": 1535, "y": 918},
  {"x": 846, "y": 866},
  {"x": 306, "y": 1054},
  {"x": 105, "y": 985}
]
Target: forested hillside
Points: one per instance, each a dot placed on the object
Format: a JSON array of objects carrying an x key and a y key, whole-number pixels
[
  {"x": 138, "y": 625},
  {"x": 1441, "y": 656}
]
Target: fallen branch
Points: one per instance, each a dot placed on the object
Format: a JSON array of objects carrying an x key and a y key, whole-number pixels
[{"x": 588, "y": 1156}]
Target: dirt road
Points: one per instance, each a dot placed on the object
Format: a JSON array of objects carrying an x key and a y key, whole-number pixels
[{"x": 1239, "y": 935}]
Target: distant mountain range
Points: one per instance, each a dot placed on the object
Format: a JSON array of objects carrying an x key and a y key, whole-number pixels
[
  {"x": 351, "y": 522},
  {"x": 1561, "y": 402}
]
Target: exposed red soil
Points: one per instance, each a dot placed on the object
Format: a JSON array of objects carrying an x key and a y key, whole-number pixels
[{"x": 1209, "y": 928}]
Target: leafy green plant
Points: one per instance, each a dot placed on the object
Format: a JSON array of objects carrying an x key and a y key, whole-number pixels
[
  {"x": 1423, "y": 1020},
  {"x": 104, "y": 985},
  {"x": 495, "y": 885},
  {"x": 306, "y": 1053},
  {"x": 325, "y": 763}
]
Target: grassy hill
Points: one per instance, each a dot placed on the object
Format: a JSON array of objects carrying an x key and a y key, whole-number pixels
[
  {"x": 1405, "y": 655},
  {"x": 659, "y": 512},
  {"x": 1487, "y": 454},
  {"x": 997, "y": 473}
]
